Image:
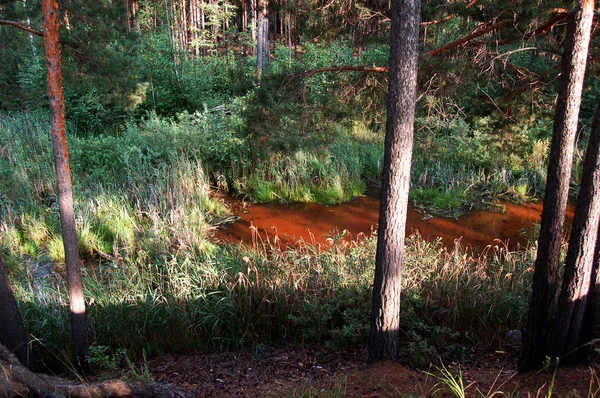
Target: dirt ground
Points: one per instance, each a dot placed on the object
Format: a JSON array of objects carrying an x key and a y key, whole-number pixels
[{"x": 317, "y": 371}]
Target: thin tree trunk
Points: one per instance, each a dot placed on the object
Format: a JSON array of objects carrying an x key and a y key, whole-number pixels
[
  {"x": 12, "y": 330},
  {"x": 577, "y": 283},
  {"x": 63, "y": 182},
  {"x": 260, "y": 40},
  {"x": 385, "y": 314},
  {"x": 253, "y": 25},
  {"x": 535, "y": 347},
  {"x": 202, "y": 28},
  {"x": 184, "y": 26}
]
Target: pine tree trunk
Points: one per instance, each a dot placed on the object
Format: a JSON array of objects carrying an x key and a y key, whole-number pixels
[
  {"x": 385, "y": 315},
  {"x": 535, "y": 347},
  {"x": 63, "y": 182},
  {"x": 587, "y": 326},
  {"x": 260, "y": 39},
  {"x": 202, "y": 28},
  {"x": 12, "y": 329},
  {"x": 577, "y": 282}
]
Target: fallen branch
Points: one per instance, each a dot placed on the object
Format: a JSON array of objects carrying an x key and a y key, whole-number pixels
[
  {"x": 15, "y": 375},
  {"x": 14, "y": 371},
  {"x": 116, "y": 388},
  {"x": 103, "y": 255},
  {"x": 468, "y": 38}
]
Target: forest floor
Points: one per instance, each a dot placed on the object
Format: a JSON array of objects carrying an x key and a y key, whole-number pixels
[{"x": 322, "y": 372}]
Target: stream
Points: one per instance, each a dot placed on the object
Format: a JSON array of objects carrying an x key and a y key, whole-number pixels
[{"x": 514, "y": 227}]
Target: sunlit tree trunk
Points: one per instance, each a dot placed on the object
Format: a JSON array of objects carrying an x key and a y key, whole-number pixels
[
  {"x": 131, "y": 6},
  {"x": 12, "y": 329},
  {"x": 203, "y": 27},
  {"x": 183, "y": 18},
  {"x": 535, "y": 347},
  {"x": 63, "y": 182},
  {"x": 193, "y": 26},
  {"x": 262, "y": 48},
  {"x": 385, "y": 315},
  {"x": 577, "y": 283}
]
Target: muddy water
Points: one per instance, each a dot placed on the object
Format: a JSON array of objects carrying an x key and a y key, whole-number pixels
[{"x": 316, "y": 223}]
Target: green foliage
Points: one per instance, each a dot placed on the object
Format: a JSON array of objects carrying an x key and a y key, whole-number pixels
[
  {"x": 102, "y": 359},
  {"x": 153, "y": 125}
]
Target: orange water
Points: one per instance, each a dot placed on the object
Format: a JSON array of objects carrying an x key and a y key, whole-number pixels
[{"x": 311, "y": 222}]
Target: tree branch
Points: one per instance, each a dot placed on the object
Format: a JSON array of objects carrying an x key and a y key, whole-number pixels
[
  {"x": 447, "y": 17},
  {"x": 22, "y": 27},
  {"x": 548, "y": 24},
  {"x": 373, "y": 69},
  {"x": 33, "y": 31},
  {"x": 468, "y": 38}
]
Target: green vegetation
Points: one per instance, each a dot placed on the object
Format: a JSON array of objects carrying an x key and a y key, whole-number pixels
[
  {"x": 157, "y": 128},
  {"x": 144, "y": 205},
  {"x": 155, "y": 283}
]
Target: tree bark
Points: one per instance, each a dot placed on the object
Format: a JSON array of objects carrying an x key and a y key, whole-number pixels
[
  {"x": 535, "y": 347},
  {"x": 577, "y": 282},
  {"x": 12, "y": 330},
  {"x": 63, "y": 182},
  {"x": 385, "y": 314}
]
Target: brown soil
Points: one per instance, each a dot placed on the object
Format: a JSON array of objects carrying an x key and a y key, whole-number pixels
[{"x": 322, "y": 372}]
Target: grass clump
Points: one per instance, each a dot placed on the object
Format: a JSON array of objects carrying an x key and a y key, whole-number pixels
[{"x": 334, "y": 176}]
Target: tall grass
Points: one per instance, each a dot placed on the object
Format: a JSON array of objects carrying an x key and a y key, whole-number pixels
[
  {"x": 331, "y": 175},
  {"x": 242, "y": 297},
  {"x": 129, "y": 194}
]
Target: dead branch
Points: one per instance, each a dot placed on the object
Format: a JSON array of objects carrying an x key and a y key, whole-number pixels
[
  {"x": 22, "y": 27},
  {"x": 529, "y": 85},
  {"x": 548, "y": 25},
  {"x": 437, "y": 21},
  {"x": 447, "y": 17},
  {"x": 17, "y": 372},
  {"x": 103, "y": 255},
  {"x": 468, "y": 38},
  {"x": 116, "y": 388}
]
